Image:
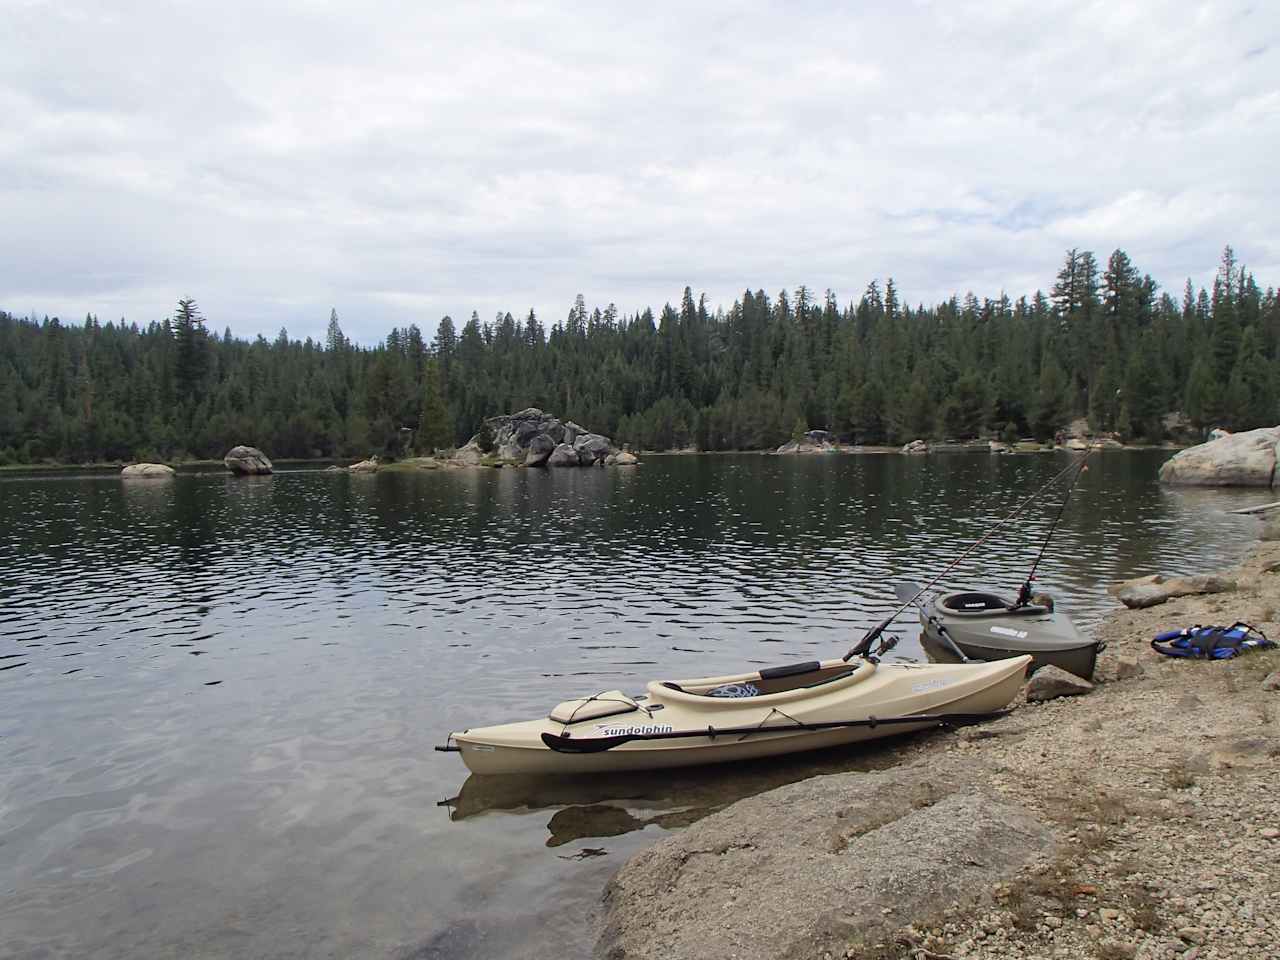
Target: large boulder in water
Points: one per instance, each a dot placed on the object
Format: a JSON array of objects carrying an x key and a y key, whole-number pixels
[
  {"x": 540, "y": 448},
  {"x": 523, "y": 436},
  {"x": 247, "y": 461},
  {"x": 815, "y": 441},
  {"x": 147, "y": 471},
  {"x": 1235, "y": 460}
]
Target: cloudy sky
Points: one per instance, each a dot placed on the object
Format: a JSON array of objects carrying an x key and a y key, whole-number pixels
[{"x": 400, "y": 161}]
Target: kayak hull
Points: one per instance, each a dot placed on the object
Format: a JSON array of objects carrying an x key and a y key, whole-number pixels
[
  {"x": 842, "y": 693},
  {"x": 998, "y": 633}
]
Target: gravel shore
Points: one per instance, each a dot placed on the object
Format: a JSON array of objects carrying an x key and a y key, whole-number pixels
[
  {"x": 1160, "y": 786},
  {"x": 1156, "y": 792}
]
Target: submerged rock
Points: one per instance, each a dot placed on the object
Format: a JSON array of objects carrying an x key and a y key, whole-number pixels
[
  {"x": 1245, "y": 459},
  {"x": 147, "y": 471},
  {"x": 247, "y": 461}
]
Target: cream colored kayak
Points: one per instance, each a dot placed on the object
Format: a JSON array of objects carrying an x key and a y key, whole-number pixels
[{"x": 774, "y": 711}]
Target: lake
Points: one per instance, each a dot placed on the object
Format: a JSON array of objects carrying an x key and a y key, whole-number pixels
[{"x": 219, "y": 695}]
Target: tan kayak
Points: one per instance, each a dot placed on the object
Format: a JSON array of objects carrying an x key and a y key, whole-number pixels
[{"x": 768, "y": 712}]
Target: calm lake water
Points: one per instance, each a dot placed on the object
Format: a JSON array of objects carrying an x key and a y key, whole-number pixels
[{"x": 218, "y": 696}]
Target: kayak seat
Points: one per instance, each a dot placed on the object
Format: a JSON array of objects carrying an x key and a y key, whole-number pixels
[
  {"x": 973, "y": 602},
  {"x": 789, "y": 670}
]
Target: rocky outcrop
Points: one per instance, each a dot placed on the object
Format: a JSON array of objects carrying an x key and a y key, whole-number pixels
[
  {"x": 147, "y": 471},
  {"x": 591, "y": 447},
  {"x": 624, "y": 459},
  {"x": 1150, "y": 591},
  {"x": 1233, "y": 460},
  {"x": 471, "y": 453},
  {"x": 534, "y": 438},
  {"x": 563, "y": 456},
  {"x": 539, "y": 450},
  {"x": 365, "y": 466},
  {"x": 247, "y": 461},
  {"x": 815, "y": 441},
  {"x": 849, "y": 856},
  {"x": 916, "y": 446},
  {"x": 1051, "y": 682}
]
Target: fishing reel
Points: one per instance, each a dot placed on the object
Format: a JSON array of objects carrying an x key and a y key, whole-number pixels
[{"x": 863, "y": 647}]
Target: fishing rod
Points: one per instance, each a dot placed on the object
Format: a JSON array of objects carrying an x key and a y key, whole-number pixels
[
  {"x": 1024, "y": 592},
  {"x": 863, "y": 646}
]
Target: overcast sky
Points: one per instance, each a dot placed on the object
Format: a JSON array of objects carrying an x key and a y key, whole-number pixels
[{"x": 401, "y": 161}]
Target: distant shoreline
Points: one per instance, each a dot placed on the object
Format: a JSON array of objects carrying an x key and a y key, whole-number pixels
[{"x": 203, "y": 466}]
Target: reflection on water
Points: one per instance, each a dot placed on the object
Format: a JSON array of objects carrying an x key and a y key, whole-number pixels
[
  {"x": 218, "y": 695},
  {"x": 611, "y": 804}
]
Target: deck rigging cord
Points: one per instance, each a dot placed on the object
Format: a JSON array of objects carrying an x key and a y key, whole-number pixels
[{"x": 863, "y": 646}]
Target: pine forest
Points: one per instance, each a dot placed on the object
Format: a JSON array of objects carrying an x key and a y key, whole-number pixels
[{"x": 1106, "y": 343}]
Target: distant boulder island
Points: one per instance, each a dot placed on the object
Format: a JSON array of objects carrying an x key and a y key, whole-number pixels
[
  {"x": 536, "y": 439},
  {"x": 247, "y": 461},
  {"x": 147, "y": 471}
]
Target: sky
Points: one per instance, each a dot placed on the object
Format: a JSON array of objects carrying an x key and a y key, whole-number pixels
[{"x": 402, "y": 161}]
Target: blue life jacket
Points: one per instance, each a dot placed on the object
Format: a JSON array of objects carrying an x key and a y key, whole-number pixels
[{"x": 1211, "y": 643}]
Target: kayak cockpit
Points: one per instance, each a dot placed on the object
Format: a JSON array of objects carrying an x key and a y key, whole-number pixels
[
  {"x": 975, "y": 603},
  {"x": 788, "y": 682},
  {"x": 791, "y": 680}
]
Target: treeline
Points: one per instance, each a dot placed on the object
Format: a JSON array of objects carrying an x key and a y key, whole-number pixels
[{"x": 1106, "y": 343}]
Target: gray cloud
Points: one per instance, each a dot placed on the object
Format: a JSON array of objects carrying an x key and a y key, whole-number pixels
[{"x": 400, "y": 161}]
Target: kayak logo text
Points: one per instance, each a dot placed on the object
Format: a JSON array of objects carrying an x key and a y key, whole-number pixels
[
  {"x": 1010, "y": 632},
  {"x": 634, "y": 730},
  {"x": 924, "y": 686}
]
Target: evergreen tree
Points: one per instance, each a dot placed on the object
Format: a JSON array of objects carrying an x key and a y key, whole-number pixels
[
  {"x": 1107, "y": 344},
  {"x": 435, "y": 429}
]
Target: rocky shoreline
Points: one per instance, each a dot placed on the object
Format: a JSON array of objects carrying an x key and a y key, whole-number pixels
[{"x": 1139, "y": 821}]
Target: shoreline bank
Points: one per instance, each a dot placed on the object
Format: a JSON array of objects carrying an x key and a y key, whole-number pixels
[{"x": 1137, "y": 822}]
